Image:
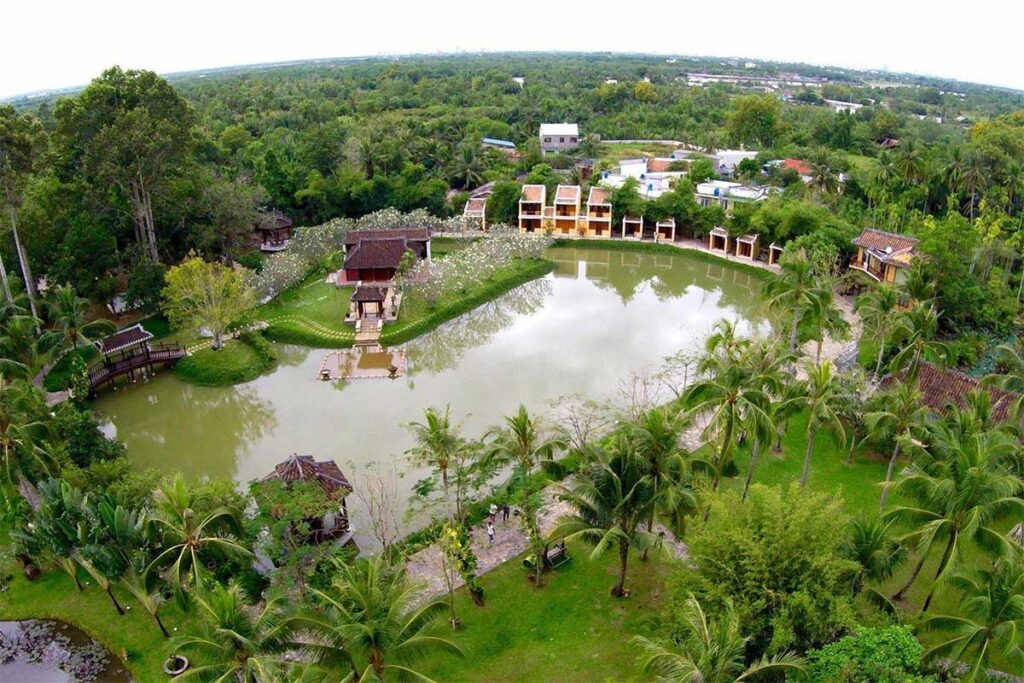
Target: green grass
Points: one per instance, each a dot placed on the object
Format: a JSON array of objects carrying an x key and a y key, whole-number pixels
[
  {"x": 441, "y": 246},
  {"x": 569, "y": 630},
  {"x": 240, "y": 360},
  {"x": 310, "y": 314},
  {"x": 612, "y": 154},
  {"x": 418, "y": 317},
  {"x": 60, "y": 374},
  {"x": 134, "y": 638},
  {"x": 663, "y": 248}
]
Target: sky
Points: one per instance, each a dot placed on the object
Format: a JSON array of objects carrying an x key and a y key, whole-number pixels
[{"x": 61, "y": 43}]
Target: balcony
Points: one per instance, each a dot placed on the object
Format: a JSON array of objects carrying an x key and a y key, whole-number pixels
[{"x": 869, "y": 266}]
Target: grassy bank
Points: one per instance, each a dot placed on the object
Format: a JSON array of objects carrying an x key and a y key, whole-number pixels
[
  {"x": 309, "y": 314},
  {"x": 240, "y": 360},
  {"x": 569, "y": 630},
  {"x": 662, "y": 248},
  {"x": 134, "y": 638},
  {"x": 417, "y": 317}
]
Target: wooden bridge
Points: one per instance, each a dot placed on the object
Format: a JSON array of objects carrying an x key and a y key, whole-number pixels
[{"x": 143, "y": 359}]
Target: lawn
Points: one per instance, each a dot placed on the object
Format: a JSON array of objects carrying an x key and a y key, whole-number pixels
[
  {"x": 569, "y": 630},
  {"x": 133, "y": 637},
  {"x": 239, "y": 360}
]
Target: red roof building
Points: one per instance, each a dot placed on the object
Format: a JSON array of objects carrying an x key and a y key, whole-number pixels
[
  {"x": 374, "y": 255},
  {"x": 943, "y": 388},
  {"x": 801, "y": 167}
]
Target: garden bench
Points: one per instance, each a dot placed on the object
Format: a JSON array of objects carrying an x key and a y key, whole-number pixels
[{"x": 553, "y": 558}]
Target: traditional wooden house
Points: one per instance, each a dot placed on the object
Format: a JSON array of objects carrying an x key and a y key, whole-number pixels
[
  {"x": 374, "y": 255},
  {"x": 632, "y": 227},
  {"x": 665, "y": 230},
  {"x": 719, "y": 240},
  {"x": 774, "y": 253},
  {"x": 332, "y": 525},
  {"x": 273, "y": 231},
  {"x": 942, "y": 388},
  {"x": 373, "y": 302},
  {"x": 748, "y": 246},
  {"x": 884, "y": 256}
]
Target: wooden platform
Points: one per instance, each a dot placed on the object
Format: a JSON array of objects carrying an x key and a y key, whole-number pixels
[{"x": 363, "y": 362}]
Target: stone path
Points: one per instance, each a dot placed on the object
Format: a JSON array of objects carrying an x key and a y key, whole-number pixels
[{"x": 509, "y": 542}]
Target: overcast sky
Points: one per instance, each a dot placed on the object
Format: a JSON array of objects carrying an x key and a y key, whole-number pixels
[{"x": 59, "y": 43}]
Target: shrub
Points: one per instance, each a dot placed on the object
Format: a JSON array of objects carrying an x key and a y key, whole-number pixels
[{"x": 872, "y": 655}]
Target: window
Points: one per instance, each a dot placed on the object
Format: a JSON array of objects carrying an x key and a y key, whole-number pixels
[
  {"x": 573, "y": 140},
  {"x": 561, "y": 139},
  {"x": 547, "y": 139}
]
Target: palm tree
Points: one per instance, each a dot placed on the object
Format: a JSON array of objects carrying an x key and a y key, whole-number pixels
[
  {"x": 767, "y": 362},
  {"x": 729, "y": 398},
  {"x": 437, "y": 442},
  {"x": 992, "y": 620},
  {"x": 234, "y": 643},
  {"x": 20, "y": 433},
  {"x": 368, "y": 150},
  {"x": 367, "y": 624},
  {"x": 189, "y": 541},
  {"x": 953, "y": 171},
  {"x": 1011, "y": 379},
  {"x": 466, "y": 167},
  {"x": 910, "y": 163},
  {"x": 959, "y": 488},
  {"x": 612, "y": 497},
  {"x": 525, "y": 444},
  {"x": 877, "y": 309},
  {"x": 973, "y": 180},
  {"x": 68, "y": 313},
  {"x": 52, "y": 532},
  {"x": 24, "y": 349},
  {"x": 656, "y": 435},
  {"x": 917, "y": 329},
  {"x": 823, "y": 179},
  {"x": 794, "y": 291},
  {"x": 708, "y": 651},
  {"x": 823, "y": 401},
  {"x": 827, "y": 319},
  {"x": 901, "y": 418},
  {"x": 877, "y": 553}
]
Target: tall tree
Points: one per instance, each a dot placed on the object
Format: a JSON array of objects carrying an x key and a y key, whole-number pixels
[
  {"x": 918, "y": 329},
  {"x": 21, "y": 144},
  {"x": 794, "y": 292},
  {"x": 877, "y": 308},
  {"x": 823, "y": 401},
  {"x": 206, "y": 295},
  {"x": 901, "y": 417},
  {"x": 612, "y": 498},
  {"x": 68, "y": 313},
  {"x": 129, "y": 130}
]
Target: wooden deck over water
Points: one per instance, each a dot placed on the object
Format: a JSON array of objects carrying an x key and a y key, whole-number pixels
[{"x": 363, "y": 362}]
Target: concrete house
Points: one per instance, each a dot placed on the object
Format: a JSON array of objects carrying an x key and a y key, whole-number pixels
[{"x": 559, "y": 137}]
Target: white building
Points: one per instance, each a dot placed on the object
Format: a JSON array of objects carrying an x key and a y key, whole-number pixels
[
  {"x": 726, "y": 194},
  {"x": 839, "y": 106},
  {"x": 725, "y": 161},
  {"x": 559, "y": 137}
]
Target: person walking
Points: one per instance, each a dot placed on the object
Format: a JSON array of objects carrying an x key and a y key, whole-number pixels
[
  {"x": 494, "y": 512},
  {"x": 504, "y": 512},
  {"x": 490, "y": 532}
]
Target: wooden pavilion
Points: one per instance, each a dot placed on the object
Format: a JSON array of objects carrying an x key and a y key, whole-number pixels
[
  {"x": 632, "y": 227},
  {"x": 665, "y": 230},
  {"x": 128, "y": 352},
  {"x": 334, "y": 525},
  {"x": 274, "y": 230},
  {"x": 774, "y": 253},
  {"x": 718, "y": 239},
  {"x": 748, "y": 246}
]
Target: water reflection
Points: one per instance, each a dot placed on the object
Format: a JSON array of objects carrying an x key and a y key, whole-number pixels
[{"x": 600, "y": 317}]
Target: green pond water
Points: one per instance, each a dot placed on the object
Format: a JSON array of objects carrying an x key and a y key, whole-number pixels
[{"x": 599, "y": 317}]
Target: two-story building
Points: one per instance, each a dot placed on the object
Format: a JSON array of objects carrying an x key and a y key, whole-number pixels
[
  {"x": 531, "y": 208},
  {"x": 567, "y": 209},
  {"x": 885, "y": 256},
  {"x": 559, "y": 137}
]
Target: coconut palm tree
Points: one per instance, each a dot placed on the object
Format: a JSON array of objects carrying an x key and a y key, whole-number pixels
[
  {"x": 991, "y": 620},
  {"x": 52, "y": 531},
  {"x": 234, "y": 642},
  {"x": 823, "y": 179},
  {"x": 974, "y": 180},
  {"x": 657, "y": 435},
  {"x": 876, "y": 551},
  {"x": 910, "y": 163},
  {"x": 68, "y": 314},
  {"x": 917, "y": 330},
  {"x": 708, "y": 651},
  {"x": 823, "y": 401},
  {"x": 877, "y": 309},
  {"x": 729, "y": 397},
  {"x": 612, "y": 497},
  {"x": 466, "y": 168},
  {"x": 794, "y": 292},
  {"x": 367, "y": 623},
  {"x": 767, "y": 362},
  {"x": 958, "y": 488},
  {"x": 525, "y": 443},
  {"x": 1011, "y": 378},
  {"x": 901, "y": 418},
  {"x": 189, "y": 540},
  {"x": 437, "y": 442},
  {"x": 21, "y": 434}
]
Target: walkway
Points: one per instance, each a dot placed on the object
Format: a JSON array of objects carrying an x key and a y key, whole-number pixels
[{"x": 509, "y": 542}]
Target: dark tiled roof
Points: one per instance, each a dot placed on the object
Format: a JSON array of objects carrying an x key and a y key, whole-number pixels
[
  {"x": 122, "y": 340},
  {"x": 365, "y": 293},
  {"x": 376, "y": 253},
  {"x": 880, "y": 240},
  {"x": 410, "y": 234},
  {"x": 274, "y": 221},
  {"x": 304, "y": 468},
  {"x": 940, "y": 388}
]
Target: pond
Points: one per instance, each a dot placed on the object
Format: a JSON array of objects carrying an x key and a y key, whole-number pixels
[
  {"x": 37, "y": 651},
  {"x": 600, "y": 316}
]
